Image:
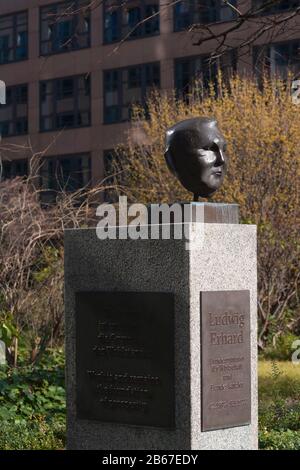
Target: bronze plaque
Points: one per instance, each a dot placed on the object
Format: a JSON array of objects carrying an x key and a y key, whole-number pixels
[
  {"x": 125, "y": 357},
  {"x": 226, "y": 362}
]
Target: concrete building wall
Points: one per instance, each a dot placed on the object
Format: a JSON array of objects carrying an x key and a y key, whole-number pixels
[{"x": 165, "y": 47}]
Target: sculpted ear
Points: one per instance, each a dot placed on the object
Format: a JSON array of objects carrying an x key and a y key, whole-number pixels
[{"x": 170, "y": 163}]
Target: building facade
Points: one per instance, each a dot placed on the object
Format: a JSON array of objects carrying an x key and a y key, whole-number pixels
[{"x": 73, "y": 71}]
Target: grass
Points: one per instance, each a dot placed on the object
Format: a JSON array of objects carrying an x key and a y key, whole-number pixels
[{"x": 278, "y": 379}]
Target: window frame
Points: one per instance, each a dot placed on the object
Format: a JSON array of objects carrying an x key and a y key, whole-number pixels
[
  {"x": 120, "y": 83},
  {"x": 266, "y": 55},
  {"x": 120, "y": 26},
  {"x": 55, "y": 99},
  {"x": 41, "y": 42},
  {"x": 274, "y": 12},
  {"x": 14, "y": 47},
  {"x": 177, "y": 60},
  {"x": 176, "y": 29},
  {"x": 13, "y": 163},
  {"x": 14, "y": 111},
  {"x": 48, "y": 192}
]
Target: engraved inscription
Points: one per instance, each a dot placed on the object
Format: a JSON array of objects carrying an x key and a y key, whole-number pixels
[
  {"x": 125, "y": 357},
  {"x": 225, "y": 339}
]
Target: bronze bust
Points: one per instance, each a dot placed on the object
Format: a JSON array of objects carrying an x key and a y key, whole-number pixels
[{"x": 195, "y": 154}]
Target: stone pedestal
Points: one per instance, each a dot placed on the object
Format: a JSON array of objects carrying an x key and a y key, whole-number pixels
[{"x": 155, "y": 359}]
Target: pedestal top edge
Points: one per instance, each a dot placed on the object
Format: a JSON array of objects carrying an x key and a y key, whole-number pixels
[{"x": 210, "y": 224}]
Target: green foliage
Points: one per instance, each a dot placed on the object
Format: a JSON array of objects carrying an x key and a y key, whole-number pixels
[
  {"x": 280, "y": 416},
  {"x": 282, "y": 350},
  {"x": 275, "y": 440},
  {"x": 37, "y": 435},
  {"x": 46, "y": 264},
  {"x": 33, "y": 393},
  {"x": 32, "y": 404},
  {"x": 8, "y": 330}
]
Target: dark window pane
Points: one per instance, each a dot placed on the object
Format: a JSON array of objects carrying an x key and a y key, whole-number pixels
[
  {"x": 152, "y": 24},
  {"x": 13, "y": 37},
  {"x": 65, "y": 103},
  {"x": 280, "y": 6},
  {"x": 130, "y": 19},
  {"x": 65, "y": 88},
  {"x": 13, "y": 115},
  {"x": 65, "y": 120},
  {"x": 200, "y": 71},
  {"x": 65, "y": 27},
  {"x": 134, "y": 17},
  {"x": 12, "y": 169},
  {"x": 68, "y": 173},
  {"x": 125, "y": 87},
  {"x": 134, "y": 77},
  {"x": 278, "y": 59},
  {"x": 22, "y": 45},
  {"x": 4, "y": 129},
  {"x": 111, "y": 32},
  {"x": 21, "y": 94},
  {"x": 190, "y": 12},
  {"x": 5, "y": 51}
]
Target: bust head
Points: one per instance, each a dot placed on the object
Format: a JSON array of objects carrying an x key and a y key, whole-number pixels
[{"x": 195, "y": 153}]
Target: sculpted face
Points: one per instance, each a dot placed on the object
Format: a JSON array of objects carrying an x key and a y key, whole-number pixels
[{"x": 196, "y": 155}]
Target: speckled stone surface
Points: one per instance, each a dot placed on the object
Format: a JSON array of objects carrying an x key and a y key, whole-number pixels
[{"x": 222, "y": 257}]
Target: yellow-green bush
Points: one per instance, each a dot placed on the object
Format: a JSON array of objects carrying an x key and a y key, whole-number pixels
[{"x": 262, "y": 127}]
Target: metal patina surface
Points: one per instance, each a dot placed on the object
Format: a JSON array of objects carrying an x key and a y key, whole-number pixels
[
  {"x": 125, "y": 357},
  {"x": 195, "y": 154},
  {"x": 225, "y": 357}
]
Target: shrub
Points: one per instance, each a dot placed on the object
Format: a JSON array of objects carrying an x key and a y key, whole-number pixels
[
  {"x": 282, "y": 350},
  {"x": 32, "y": 405},
  {"x": 275, "y": 440},
  {"x": 280, "y": 416},
  {"x": 37, "y": 435},
  {"x": 32, "y": 394},
  {"x": 279, "y": 407},
  {"x": 31, "y": 263},
  {"x": 262, "y": 129}
]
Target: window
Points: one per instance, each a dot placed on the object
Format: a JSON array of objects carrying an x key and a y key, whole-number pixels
[
  {"x": 13, "y": 37},
  {"x": 189, "y": 12},
  {"x": 64, "y": 173},
  {"x": 280, "y": 6},
  {"x": 65, "y": 27},
  {"x": 126, "y": 87},
  {"x": 189, "y": 70},
  {"x": 65, "y": 103},
  {"x": 121, "y": 19},
  {"x": 13, "y": 114},
  {"x": 278, "y": 59},
  {"x": 13, "y": 168}
]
